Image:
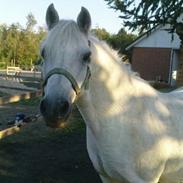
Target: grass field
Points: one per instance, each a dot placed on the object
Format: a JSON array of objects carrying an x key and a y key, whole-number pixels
[{"x": 42, "y": 155}]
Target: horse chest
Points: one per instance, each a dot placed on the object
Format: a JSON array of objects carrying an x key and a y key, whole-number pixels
[
  {"x": 104, "y": 163},
  {"x": 94, "y": 153}
]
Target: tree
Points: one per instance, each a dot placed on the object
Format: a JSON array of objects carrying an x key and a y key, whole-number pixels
[
  {"x": 143, "y": 15},
  {"x": 120, "y": 41},
  {"x": 31, "y": 22},
  {"x": 9, "y": 42},
  {"x": 19, "y": 46},
  {"x": 146, "y": 14},
  {"x": 101, "y": 33}
]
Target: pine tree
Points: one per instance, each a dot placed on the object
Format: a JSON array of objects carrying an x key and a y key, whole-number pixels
[{"x": 143, "y": 15}]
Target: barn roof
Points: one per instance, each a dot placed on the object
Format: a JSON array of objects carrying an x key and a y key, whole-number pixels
[
  {"x": 142, "y": 36},
  {"x": 158, "y": 36}
]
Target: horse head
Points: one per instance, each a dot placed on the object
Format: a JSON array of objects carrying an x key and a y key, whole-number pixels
[{"x": 66, "y": 53}]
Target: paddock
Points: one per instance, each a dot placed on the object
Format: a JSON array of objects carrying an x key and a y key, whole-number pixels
[{"x": 35, "y": 144}]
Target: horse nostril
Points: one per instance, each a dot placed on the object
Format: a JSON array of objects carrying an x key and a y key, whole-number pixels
[
  {"x": 43, "y": 106},
  {"x": 57, "y": 108},
  {"x": 64, "y": 106}
]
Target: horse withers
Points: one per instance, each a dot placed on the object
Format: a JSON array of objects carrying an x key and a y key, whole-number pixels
[{"x": 134, "y": 133}]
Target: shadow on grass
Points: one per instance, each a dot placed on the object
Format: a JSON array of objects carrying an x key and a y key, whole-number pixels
[{"x": 42, "y": 155}]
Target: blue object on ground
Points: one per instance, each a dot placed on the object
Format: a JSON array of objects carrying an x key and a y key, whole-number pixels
[{"x": 19, "y": 116}]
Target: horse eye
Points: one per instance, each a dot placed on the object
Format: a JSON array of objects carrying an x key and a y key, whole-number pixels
[
  {"x": 89, "y": 43},
  {"x": 43, "y": 53},
  {"x": 86, "y": 57}
]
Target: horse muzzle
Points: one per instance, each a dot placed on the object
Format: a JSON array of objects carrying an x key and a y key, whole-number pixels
[{"x": 55, "y": 112}]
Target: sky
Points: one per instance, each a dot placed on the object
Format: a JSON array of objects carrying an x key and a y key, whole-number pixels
[{"x": 13, "y": 11}]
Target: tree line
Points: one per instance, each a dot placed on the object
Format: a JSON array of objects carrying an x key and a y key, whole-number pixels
[{"x": 19, "y": 46}]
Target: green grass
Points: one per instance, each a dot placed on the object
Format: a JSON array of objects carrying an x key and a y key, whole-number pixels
[
  {"x": 26, "y": 102},
  {"x": 39, "y": 130},
  {"x": 74, "y": 123},
  {"x": 29, "y": 102},
  {"x": 39, "y": 154},
  {"x": 166, "y": 90},
  {"x": 2, "y": 94}
]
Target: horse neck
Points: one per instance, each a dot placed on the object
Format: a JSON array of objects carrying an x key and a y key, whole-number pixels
[
  {"x": 110, "y": 78},
  {"x": 109, "y": 83},
  {"x": 112, "y": 87}
]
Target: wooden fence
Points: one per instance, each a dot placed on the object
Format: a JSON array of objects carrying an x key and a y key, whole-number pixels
[
  {"x": 29, "y": 79},
  {"x": 17, "y": 97}
]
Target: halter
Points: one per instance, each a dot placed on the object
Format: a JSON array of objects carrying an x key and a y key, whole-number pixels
[{"x": 69, "y": 76}]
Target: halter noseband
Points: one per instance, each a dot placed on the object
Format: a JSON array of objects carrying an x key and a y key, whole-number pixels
[{"x": 69, "y": 76}]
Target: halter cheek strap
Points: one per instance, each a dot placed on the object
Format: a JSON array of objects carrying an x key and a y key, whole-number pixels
[{"x": 67, "y": 74}]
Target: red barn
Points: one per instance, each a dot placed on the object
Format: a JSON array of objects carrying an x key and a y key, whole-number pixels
[{"x": 155, "y": 55}]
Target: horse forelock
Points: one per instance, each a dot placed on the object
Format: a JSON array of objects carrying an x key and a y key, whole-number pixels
[{"x": 65, "y": 34}]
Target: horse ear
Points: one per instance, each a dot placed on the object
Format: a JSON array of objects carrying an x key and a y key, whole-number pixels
[
  {"x": 84, "y": 20},
  {"x": 52, "y": 17}
]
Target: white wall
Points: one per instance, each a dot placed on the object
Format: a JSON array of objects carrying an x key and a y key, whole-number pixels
[{"x": 159, "y": 38}]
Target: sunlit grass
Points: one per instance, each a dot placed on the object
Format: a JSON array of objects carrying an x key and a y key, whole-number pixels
[{"x": 29, "y": 102}]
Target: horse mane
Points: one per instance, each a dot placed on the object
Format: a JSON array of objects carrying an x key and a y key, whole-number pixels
[
  {"x": 114, "y": 54},
  {"x": 125, "y": 68}
]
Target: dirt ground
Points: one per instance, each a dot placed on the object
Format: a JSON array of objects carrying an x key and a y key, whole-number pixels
[{"x": 42, "y": 155}]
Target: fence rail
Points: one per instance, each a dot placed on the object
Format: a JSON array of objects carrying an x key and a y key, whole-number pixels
[
  {"x": 36, "y": 78},
  {"x": 10, "y": 99},
  {"x": 16, "y": 88},
  {"x": 16, "y": 98},
  {"x": 13, "y": 70},
  {"x": 28, "y": 81},
  {"x": 27, "y": 78},
  {"x": 9, "y": 131}
]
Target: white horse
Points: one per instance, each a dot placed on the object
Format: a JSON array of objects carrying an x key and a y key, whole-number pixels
[{"x": 134, "y": 133}]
